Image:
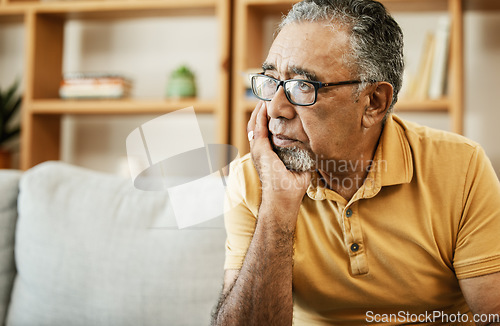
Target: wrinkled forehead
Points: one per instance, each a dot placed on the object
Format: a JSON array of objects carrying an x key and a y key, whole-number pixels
[{"x": 315, "y": 50}]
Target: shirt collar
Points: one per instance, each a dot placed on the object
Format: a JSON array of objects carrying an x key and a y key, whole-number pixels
[{"x": 396, "y": 153}]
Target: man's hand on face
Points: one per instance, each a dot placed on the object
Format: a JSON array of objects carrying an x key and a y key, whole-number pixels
[{"x": 279, "y": 185}]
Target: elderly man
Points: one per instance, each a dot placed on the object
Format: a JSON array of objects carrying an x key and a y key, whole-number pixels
[{"x": 349, "y": 215}]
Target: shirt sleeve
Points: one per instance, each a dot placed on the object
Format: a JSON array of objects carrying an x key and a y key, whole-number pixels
[
  {"x": 477, "y": 250},
  {"x": 241, "y": 210}
]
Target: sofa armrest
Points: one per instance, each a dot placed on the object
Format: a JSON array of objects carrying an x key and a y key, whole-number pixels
[{"x": 9, "y": 188}]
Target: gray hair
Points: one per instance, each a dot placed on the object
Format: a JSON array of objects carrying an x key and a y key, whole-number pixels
[{"x": 376, "y": 38}]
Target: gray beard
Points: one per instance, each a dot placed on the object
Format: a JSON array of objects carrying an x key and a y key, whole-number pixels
[{"x": 296, "y": 159}]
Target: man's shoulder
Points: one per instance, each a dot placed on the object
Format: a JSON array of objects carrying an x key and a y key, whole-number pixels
[
  {"x": 436, "y": 153},
  {"x": 244, "y": 164},
  {"x": 423, "y": 138}
]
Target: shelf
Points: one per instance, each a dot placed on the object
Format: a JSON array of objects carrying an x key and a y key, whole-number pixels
[
  {"x": 266, "y": 3},
  {"x": 125, "y": 106},
  {"x": 415, "y": 5},
  {"x": 114, "y": 9},
  {"x": 483, "y": 5},
  {"x": 122, "y": 10},
  {"x": 45, "y": 23},
  {"x": 441, "y": 105},
  {"x": 8, "y": 14},
  {"x": 96, "y": 5},
  {"x": 397, "y": 5}
]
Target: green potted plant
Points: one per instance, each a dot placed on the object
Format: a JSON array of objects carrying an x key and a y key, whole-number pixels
[
  {"x": 10, "y": 103},
  {"x": 181, "y": 83}
]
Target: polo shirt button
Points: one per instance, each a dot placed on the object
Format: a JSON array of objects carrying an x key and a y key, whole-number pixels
[
  {"x": 348, "y": 213},
  {"x": 354, "y": 247}
]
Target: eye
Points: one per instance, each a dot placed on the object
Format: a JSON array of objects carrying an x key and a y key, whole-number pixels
[
  {"x": 268, "y": 82},
  {"x": 304, "y": 86}
]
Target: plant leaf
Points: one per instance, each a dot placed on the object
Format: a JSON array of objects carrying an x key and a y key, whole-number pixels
[
  {"x": 9, "y": 104},
  {"x": 10, "y": 134},
  {"x": 10, "y": 93},
  {"x": 2, "y": 113},
  {"x": 9, "y": 111}
]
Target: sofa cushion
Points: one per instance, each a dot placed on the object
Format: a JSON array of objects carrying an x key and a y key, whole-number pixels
[
  {"x": 9, "y": 187},
  {"x": 92, "y": 250}
]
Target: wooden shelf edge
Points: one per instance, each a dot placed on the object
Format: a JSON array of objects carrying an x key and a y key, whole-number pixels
[
  {"x": 11, "y": 10},
  {"x": 441, "y": 105},
  {"x": 125, "y": 106},
  {"x": 96, "y": 6},
  {"x": 392, "y": 4},
  {"x": 272, "y": 3},
  {"x": 482, "y": 5}
]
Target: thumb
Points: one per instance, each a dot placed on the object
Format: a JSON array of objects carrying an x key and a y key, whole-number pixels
[{"x": 261, "y": 131}]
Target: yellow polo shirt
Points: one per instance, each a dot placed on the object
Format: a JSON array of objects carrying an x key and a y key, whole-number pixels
[{"x": 427, "y": 214}]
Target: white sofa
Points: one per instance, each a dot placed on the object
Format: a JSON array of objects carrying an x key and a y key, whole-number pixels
[{"x": 79, "y": 247}]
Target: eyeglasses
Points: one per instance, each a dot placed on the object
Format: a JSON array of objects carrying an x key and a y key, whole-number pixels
[{"x": 298, "y": 91}]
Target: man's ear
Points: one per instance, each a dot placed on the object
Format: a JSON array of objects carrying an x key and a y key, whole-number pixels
[{"x": 380, "y": 101}]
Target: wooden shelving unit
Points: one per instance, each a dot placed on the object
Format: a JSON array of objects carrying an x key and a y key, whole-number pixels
[
  {"x": 125, "y": 106},
  {"x": 249, "y": 53},
  {"x": 44, "y": 23}
]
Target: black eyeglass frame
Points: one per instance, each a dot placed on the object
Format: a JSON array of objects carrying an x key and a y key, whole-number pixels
[{"x": 317, "y": 85}]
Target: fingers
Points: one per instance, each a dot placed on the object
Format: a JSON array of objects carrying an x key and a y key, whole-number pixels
[
  {"x": 261, "y": 129},
  {"x": 257, "y": 134},
  {"x": 257, "y": 125},
  {"x": 253, "y": 117}
]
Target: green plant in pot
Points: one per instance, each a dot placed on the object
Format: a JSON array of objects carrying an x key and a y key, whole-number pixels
[
  {"x": 10, "y": 104},
  {"x": 181, "y": 83}
]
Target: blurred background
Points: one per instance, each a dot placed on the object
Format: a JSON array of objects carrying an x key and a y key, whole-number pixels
[{"x": 147, "y": 50}]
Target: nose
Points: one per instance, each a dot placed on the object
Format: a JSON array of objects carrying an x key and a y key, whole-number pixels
[{"x": 280, "y": 107}]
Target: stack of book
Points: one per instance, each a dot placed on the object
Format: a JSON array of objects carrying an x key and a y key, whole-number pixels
[
  {"x": 431, "y": 78},
  {"x": 94, "y": 86}
]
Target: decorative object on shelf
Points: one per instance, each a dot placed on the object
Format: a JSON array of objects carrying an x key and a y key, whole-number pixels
[
  {"x": 181, "y": 83},
  {"x": 440, "y": 60},
  {"x": 94, "y": 86},
  {"x": 10, "y": 103}
]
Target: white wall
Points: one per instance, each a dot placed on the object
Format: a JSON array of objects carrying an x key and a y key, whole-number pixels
[
  {"x": 146, "y": 50},
  {"x": 11, "y": 52}
]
